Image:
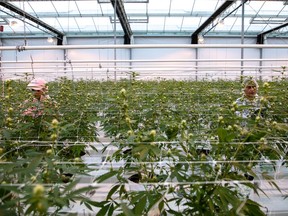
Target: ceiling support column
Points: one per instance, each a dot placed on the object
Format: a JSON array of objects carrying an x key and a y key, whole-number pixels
[
  {"x": 223, "y": 7},
  {"x": 260, "y": 37},
  {"x": 122, "y": 16},
  {"x": 37, "y": 21}
]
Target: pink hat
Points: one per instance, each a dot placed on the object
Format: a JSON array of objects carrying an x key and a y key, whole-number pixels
[{"x": 37, "y": 84}]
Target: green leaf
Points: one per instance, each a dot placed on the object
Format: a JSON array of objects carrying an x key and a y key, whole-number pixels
[
  {"x": 224, "y": 136},
  {"x": 34, "y": 164},
  {"x": 154, "y": 201},
  {"x": 106, "y": 176},
  {"x": 140, "y": 206},
  {"x": 59, "y": 201},
  {"x": 161, "y": 205},
  {"x": 143, "y": 154},
  {"x": 30, "y": 209},
  {"x": 80, "y": 191},
  {"x": 97, "y": 204},
  {"x": 156, "y": 151},
  {"x": 93, "y": 148},
  {"x": 256, "y": 136},
  {"x": 226, "y": 197},
  {"x": 271, "y": 181},
  {"x": 111, "y": 209},
  {"x": 70, "y": 186},
  {"x": 103, "y": 211},
  {"x": 88, "y": 206},
  {"x": 112, "y": 191},
  {"x": 253, "y": 208},
  {"x": 126, "y": 210},
  {"x": 282, "y": 126},
  {"x": 7, "y": 134}
]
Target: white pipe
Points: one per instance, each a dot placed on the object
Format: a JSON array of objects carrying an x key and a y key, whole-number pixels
[
  {"x": 139, "y": 67},
  {"x": 141, "y": 60},
  {"x": 147, "y": 70},
  {"x": 150, "y": 73},
  {"x": 142, "y": 73},
  {"x": 145, "y": 46}
]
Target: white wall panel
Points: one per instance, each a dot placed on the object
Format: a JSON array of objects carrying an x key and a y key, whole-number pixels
[
  {"x": 166, "y": 63},
  {"x": 19, "y": 70}
]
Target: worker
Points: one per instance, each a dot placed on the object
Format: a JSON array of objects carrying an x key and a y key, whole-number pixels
[
  {"x": 38, "y": 111},
  {"x": 249, "y": 103},
  {"x": 35, "y": 107}
]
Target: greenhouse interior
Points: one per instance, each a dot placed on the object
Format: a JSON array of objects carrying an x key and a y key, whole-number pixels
[{"x": 144, "y": 107}]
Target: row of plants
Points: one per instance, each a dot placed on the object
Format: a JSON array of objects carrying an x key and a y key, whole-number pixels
[
  {"x": 181, "y": 140},
  {"x": 41, "y": 157}
]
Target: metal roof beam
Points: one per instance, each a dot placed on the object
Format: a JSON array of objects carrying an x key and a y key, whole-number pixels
[
  {"x": 24, "y": 14},
  {"x": 223, "y": 7},
  {"x": 151, "y": 14},
  {"x": 122, "y": 16},
  {"x": 260, "y": 37}
]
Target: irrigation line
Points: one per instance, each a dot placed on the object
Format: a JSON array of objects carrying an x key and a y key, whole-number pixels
[
  {"x": 161, "y": 163},
  {"x": 49, "y": 143},
  {"x": 167, "y": 184},
  {"x": 77, "y": 143},
  {"x": 181, "y": 162}
]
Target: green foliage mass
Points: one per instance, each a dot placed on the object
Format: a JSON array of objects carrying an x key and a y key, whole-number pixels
[{"x": 182, "y": 139}]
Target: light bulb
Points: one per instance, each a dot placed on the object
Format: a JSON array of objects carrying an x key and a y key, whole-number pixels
[
  {"x": 13, "y": 23},
  {"x": 50, "y": 40},
  {"x": 200, "y": 39},
  {"x": 221, "y": 23}
]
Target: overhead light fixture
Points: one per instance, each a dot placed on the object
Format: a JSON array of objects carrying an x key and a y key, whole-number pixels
[
  {"x": 201, "y": 39},
  {"x": 13, "y": 23},
  {"x": 221, "y": 23},
  {"x": 50, "y": 40}
]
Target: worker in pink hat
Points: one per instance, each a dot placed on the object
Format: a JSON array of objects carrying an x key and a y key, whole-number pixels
[
  {"x": 38, "y": 87},
  {"x": 39, "y": 90},
  {"x": 38, "y": 111}
]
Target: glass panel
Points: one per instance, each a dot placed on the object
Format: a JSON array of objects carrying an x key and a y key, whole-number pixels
[
  {"x": 66, "y": 24},
  {"x": 266, "y": 7},
  {"x": 139, "y": 27},
  {"x": 207, "y": 5},
  {"x": 177, "y": 6},
  {"x": 134, "y": 8},
  {"x": 191, "y": 23},
  {"x": 155, "y": 17},
  {"x": 160, "y": 7},
  {"x": 35, "y": 6},
  {"x": 85, "y": 24},
  {"x": 156, "y": 24},
  {"x": 173, "y": 24}
]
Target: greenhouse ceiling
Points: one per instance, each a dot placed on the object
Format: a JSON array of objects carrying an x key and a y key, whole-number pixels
[{"x": 134, "y": 18}]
